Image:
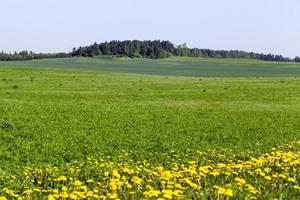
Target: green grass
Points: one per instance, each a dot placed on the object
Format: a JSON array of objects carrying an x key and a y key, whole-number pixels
[
  {"x": 176, "y": 66},
  {"x": 63, "y": 115}
]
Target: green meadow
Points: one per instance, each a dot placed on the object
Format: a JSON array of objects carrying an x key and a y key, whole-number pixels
[
  {"x": 62, "y": 110},
  {"x": 175, "y": 66}
]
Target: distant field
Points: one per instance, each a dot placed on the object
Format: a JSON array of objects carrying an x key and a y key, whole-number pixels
[
  {"x": 176, "y": 66},
  {"x": 57, "y": 117}
]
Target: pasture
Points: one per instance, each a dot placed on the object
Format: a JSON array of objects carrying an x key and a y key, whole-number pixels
[
  {"x": 80, "y": 111},
  {"x": 174, "y": 66}
]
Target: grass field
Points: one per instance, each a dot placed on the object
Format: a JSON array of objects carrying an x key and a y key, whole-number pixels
[
  {"x": 176, "y": 66},
  {"x": 56, "y": 117}
]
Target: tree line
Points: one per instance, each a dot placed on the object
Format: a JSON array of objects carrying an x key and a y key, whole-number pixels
[
  {"x": 162, "y": 49},
  {"x": 25, "y": 55},
  {"x": 155, "y": 49}
]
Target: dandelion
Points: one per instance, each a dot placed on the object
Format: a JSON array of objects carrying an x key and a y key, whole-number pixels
[
  {"x": 136, "y": 180},
  {"x": 77, "y": 183},
  {"x": 61, "y": 178},
  {"x": 268, "y": 178},
  {"x": 240, "y": 181},
  {"x": 292, "y": 180}
]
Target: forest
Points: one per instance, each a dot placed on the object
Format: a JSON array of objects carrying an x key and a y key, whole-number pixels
[
  {"x": 162, "y": 49},
  {"x": 25, "y": 55},
  {"x": 155, "y": 49}
]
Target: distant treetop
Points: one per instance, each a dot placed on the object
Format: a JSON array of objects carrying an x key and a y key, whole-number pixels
[{"x": 162, "y": 49}]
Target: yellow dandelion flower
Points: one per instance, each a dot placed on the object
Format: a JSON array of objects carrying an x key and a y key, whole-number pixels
[
  {"x": 292, "y": 180},
  {"x": 77, "y": 183},
  {"x": 296, "y": 187},
  {"x": 61, "y": 178},
  {"x": 229, "y": 193},
  {"x": 268, "y": 178}
]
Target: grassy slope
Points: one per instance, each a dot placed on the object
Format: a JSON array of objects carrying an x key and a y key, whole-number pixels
[
  {"x": 178, "y": 66},
  {"x": 63, "y": 115}
]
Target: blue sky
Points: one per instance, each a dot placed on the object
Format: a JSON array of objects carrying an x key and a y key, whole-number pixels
[{"x": 268, "y": 26}]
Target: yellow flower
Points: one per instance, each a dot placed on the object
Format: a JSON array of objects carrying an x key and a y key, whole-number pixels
[
  {"x": 64, "y": 195},
  {"x": 292, "y": 180},
  {"x": 50, "y": 197},
  {"x": 64, "y": 188},
  {"x": 61, "y": 178},
  {"x": 215, "y": 173},
  {"x": 240, "y": 181},
  {"x": 136, "y": 180},
  {"x": 77, "y": 183},
  {"x": 90, "y": 181},
  {"x": 168, "y": 196},
  {"x": 229, "y": 193},
  {"x": 113, "y": 196},
  {"x": 90, "y": 194},
  {"x": 152, "y": 193},
  {"x": 178, "y": 193},
  {"x": 221, "y": 190},
  {"x": 296, "y": 187},
  {"x": 73, "y": 196},
  {"x": 268, "y": 178},
  {"x": 116, "y": 174},
  {"x": 226, "y": 192}
]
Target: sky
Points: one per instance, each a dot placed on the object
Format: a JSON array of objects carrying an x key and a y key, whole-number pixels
[{"x": 263, "y": 26}]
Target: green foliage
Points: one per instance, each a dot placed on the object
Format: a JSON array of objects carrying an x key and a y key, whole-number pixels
[
  {"x": 134, "y": 49},
  {"x": 163, "y": 49},
  {"x": 25, "y": 55}
]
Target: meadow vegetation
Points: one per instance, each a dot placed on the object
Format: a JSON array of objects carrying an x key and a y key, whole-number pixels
[
  {"x": 174, "y": 66},
  {"x": 75, "y": 134}
]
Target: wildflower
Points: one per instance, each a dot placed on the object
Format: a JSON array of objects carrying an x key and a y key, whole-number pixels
[
  {"x": 240, "y": 181},
  {"x": 77, "y": 183},
  {"x": 50, "y": 197},
  {"x": 116, "y": 174},
  {"x": 229, "y": 193},
  {"x": 292, "y": 180},
  {"x": 64, "y": 195},
  {"x": 152, "y": 193},
  {"x": 61, "y": 178},
  {"x": 215, "y": 173},
  {"x": 178, "y": 193},
  {"x": 268, "y": 178},
  {"x": 64, "y": 188},
  {"x": 221, "y": 190},
  {"x": 90, "y": 194},
  {"x": 178, "y": 186},
  {"x": 113, "y": 196},
  {"x": 136, "y": 180},
  {"x": 90, "y": 181},
  {"x": 296, "y": 187}
]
